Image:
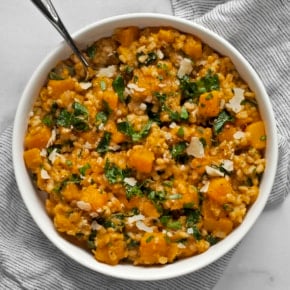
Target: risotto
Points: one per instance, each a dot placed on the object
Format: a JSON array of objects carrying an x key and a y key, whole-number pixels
[{"x": 156, "y": 156}]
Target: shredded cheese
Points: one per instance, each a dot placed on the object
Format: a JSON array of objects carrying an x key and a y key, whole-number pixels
[
  {"x": 185, "y": 67},
  {"x": 235, "y": 103},
  {"x": 195, "y": 148}
]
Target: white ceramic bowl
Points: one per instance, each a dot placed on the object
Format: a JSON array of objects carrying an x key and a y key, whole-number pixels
[{"x": 34, "y": 202}]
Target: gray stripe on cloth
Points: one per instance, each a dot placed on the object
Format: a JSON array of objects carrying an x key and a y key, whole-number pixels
[{"x": 260, "y": 31}]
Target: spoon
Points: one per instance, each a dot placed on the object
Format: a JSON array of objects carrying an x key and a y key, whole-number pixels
[{"x": 50, "y": 13}]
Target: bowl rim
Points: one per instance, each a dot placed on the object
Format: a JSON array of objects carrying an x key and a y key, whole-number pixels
[{"x": 191, "y": 264}]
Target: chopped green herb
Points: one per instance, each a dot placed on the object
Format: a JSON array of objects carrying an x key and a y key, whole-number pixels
[
  {"x": 135, "y": 79},
  {"x": 64, "y": 119},
  {"x": 149, "y": 239},
  {"x": 250, "y": 102},
  {"x": 103, "y": 145},
  {"x": 101, "y": 118},
  {"x": 196, "y": 233},
  {"x": 150, "y": 58},
  {"x": 79, "y": 235},
  {"x": 115, "y": 174},
  {"x": 183, "y": 113},
  {"x": 129, "y": 70},
  {"x": 48, "y": 120},
  {"x": 203, "y": 141},
  {"x": 249, "y": 181},
  {"x": 79, "y": 109},
  {"x": 162, "y": 66},
  {"x": 210, "y": 81},
  {"x": 74, "y": 178},
  {"x": 91, "y": 51},
  {"x": 192, "y": 217},
  {"x": 135, "y": 211},
  {"x": 174, "y": 225},
  {"x": 180, "y": 132},
  {"x": 193, "y": 89},
  {"x": 54, "y": 76},
  {"x": 188, "y": 205},
  {"x": 263, "y": 138},
  {"x": 56, "y": 147},
  {"x": 227, "y": 207},
  {"x": 119, "y": 87},
  {"x": 168, "y": 183},
  {"x": 132, "y": 191},
  {"x": 77, "y": 119},
  {"x": 209, "y": 96},
  {"x": 108, "y": 224},
  {"x": 79, "y": 124},
  {"x": 157, "y": 196},
  {"x": 221, "y": 120},
  {"x": 133, "y": 244},
  {"x": 68, "y": 163},
  {"x": 103, "y": 85},
  {"x": 178, "y": 150},
  {"x": 175, "y": 196},
  {"x": 165, "y": 219},
  {"x": 174, "y": 116},
  {"x": 127, "y": 129},
  {"x": 84, "y": 168},
  {"x": 161, "y": 97},
  {"x": 212, "y": 239},
  {"x": 91, "y": 240}
]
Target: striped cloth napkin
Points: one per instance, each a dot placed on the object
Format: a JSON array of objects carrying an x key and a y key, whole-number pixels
[{"x": 260, "y": 31}]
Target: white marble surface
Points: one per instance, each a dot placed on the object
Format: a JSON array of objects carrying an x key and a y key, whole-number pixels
[{"x": 262, "y": 261}]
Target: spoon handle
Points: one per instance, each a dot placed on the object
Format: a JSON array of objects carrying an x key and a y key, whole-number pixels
[{"x": 50, "y": 13}]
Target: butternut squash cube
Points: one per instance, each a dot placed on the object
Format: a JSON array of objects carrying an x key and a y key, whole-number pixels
[
  {"x": 218, "y": 189},
  {"x": 38, "y": 138},
  {"x": 209, "y": 104},
  {"x": 32, "y": 158},
  {"x": 57, "y": 87},
  {"x": 155, "y": 250},
  {"x": 127, "y": 35},
  {"x": 111, "y": 248},
  {"x": 192, "y": 47},
  {"x": 94, "y": 197},
  {"x": 111, "y": 98},
  {"x": 141, "y": 159},
  {"x": 257, "y": 135}
]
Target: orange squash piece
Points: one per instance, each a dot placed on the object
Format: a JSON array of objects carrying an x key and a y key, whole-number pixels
[
  {"x": 111, "y": 98},
  {"x": 37, "y": 139},
  {"x": 155, "y": 250},
  {"x": 71, "y": 192},
  {"x": 224, "y": 225},
  {"x": 192, "y": 47},
  {"x": 257, "y": 133},
  {"x": 111, "y": 248},
  {"x": 218, "y": 189},
  {"x": 66, "y": 220},
  {"x": 57, "y": 87},
  {"x": 227, "y": 133},
  {"x": 32, "y": 158},
  {"x": 94, "y": 197},
  {"x": 141, "y": 159},
  {"x": 127, "y": 35},
  {"x": 209, "y": 104},
  {"x": 116, "y": 137},
  {"x": 166, "y": 35}
]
